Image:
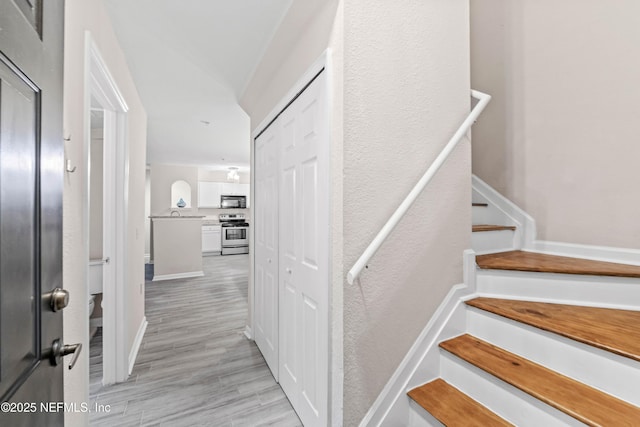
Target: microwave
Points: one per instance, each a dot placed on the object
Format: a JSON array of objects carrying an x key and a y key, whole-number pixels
[{"x": 233, "y": 202}]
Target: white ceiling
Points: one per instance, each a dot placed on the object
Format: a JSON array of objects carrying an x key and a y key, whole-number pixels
[{"x": 191, "y": 61}]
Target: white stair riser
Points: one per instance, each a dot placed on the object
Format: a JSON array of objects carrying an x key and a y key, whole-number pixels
[
  {"x": 429, "y": 369},
  {"x": 418, "y": 417},
  {"x": 608, "y": 372},
  {"x": 482, "y": 215},
  {"x": 506, "y": 401},
  {"x": 493, "y": 241},
  {"x": 595, "y": 291},
  {"x": 490, "y": 214}
]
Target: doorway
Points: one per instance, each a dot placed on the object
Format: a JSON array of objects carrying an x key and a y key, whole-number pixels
[
  {"x": 105, "y": 211},
  {"x": 98, "y": 262}
]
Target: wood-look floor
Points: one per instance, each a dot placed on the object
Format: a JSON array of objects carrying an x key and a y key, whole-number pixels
[
  {"x": 543, "y": 263},
  {"x": 195, "y": 367}
]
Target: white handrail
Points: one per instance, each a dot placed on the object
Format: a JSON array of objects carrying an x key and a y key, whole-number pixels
[{"x": 483, "y": 100}]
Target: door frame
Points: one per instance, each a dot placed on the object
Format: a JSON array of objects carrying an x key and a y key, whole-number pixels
[
  {"x": 99, "y": 84},
  {"x": 335, "y": 340}
]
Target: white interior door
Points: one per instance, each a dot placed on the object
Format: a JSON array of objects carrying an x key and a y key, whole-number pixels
[
  {"x": 266, "y": 247},
  {"x": 304, "y": 253}
]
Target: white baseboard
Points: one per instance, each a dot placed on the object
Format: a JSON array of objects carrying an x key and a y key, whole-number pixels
[
  {"x": 187, "y": 275},
  {"x": 426, "y": 343},
  {"x": 416, "y": 367},
  {"x": 133, "y": 354},
  {"x": 248, "y": 333},
  {"x": 147, "y": 258}
]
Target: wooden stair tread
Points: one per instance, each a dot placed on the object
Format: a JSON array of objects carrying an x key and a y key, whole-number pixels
[
  {"x": 617, "y": 331},
  {"x": 484, "y": 205},
  {"x": 491, "y": 227},
  {"x": 578, "y": 400},
  {"x": 543, "y": 263},
  {"x": 452, "y": 407}
]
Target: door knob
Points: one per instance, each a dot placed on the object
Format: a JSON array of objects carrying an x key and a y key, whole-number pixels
[
  {"x": 59, "y": 350},
  {"x": 58, "y": 299}
]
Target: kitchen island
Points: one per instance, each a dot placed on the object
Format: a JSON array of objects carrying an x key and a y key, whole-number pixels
[{"x": 177, "y": 247}]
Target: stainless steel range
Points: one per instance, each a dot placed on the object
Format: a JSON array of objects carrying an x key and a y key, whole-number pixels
[{"x": 235, "y": 234}]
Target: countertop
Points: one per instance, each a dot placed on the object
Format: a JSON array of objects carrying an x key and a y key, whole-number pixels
[
  {"x": 206, "y": 220},
  {"x": 176, "y": 217}
]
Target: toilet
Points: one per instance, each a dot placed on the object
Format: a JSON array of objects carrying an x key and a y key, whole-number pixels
[
  {"x": 95, "y": 288},
  {"x": 92, "y": 304},
  {"x": 95, "y": 276}
]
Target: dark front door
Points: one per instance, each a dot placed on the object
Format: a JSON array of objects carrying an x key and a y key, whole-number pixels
[{"x": 31, "y": 178}]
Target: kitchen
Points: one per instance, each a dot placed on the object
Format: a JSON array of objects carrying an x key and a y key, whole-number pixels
[{"x": 195, "y": 212}]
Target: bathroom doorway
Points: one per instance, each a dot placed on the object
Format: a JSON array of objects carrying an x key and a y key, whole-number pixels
[
  {"x": 98, "y": 260},
  {"x": 105, "y": 214}
]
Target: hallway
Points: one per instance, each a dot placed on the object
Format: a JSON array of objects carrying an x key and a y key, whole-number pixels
[{"x": 195, "y": 367}]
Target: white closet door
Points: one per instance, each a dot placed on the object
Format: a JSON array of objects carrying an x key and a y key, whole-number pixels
[
  {"x": 304, "y": 253},
  {"x": 266, "y": 247}
]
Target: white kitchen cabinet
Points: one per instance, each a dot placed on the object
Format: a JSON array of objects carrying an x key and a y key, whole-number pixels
[
  {"x": 209, "y": 194},
  {"x": 211, "y": 239},
  {"x": 231, "y": 188}
]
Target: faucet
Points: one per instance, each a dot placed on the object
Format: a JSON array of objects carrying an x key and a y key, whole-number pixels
[{"x": 174, "y": 211}]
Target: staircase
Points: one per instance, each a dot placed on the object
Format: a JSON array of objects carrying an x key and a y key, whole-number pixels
[
  {"x": 492, "y": 232},
  {"x": 547, "y": 341}
]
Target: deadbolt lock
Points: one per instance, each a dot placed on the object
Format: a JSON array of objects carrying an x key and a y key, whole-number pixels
[{"x": 58, "y": 299}]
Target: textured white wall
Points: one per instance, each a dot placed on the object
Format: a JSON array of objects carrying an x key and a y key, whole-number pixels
[
  {"x": 82, "y": 15},
  {"x": 406, "y": 90},
  {"x": 560, "y": 137}
]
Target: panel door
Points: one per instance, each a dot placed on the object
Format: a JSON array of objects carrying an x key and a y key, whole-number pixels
[
  {"x": 304, "y": 253},
  {"x": 266, "y": 247},
  {"x": 31, "y": 167}
]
